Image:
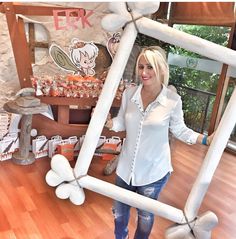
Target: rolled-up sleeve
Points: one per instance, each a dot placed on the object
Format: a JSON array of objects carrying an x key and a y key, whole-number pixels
[
  {"x": 178, "y": 127},
  {"x": 119, "y": 120}
]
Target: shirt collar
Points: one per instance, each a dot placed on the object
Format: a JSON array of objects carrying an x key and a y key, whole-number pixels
[
  {"x": 161, "y": 98},
  {"x": 137, "y": 94}
]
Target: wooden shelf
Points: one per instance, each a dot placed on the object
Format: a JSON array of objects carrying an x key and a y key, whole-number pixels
[
  {"x": 64, "y": 114},
  {"x": 29, "y": 10},
  {"x": 50, "y": 127},
  {"x": 54, "y": 100}
]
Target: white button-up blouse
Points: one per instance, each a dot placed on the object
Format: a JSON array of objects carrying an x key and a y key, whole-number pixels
[{"x": 145, "y": 155}]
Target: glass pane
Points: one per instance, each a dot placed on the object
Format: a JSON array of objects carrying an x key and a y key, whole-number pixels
[
  {"x": 232, "y": 140},
  {"x": 196, "y": 77}
]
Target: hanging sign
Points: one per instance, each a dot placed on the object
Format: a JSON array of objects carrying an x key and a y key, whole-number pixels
[
  {"x": 80, "y": 60},
  {"x": 206, "y": 65},
  {"x": 113, "y": 43},
  {"x": 68, "y": 19}
]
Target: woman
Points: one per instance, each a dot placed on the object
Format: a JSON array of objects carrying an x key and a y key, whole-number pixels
[{"x": 147, "y": 113}]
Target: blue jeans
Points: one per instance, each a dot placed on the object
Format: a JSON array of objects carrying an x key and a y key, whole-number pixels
[{"x": 121, "y": 211}]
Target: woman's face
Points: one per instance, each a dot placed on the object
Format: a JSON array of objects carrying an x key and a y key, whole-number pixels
[{"x": 146, "y": 72}]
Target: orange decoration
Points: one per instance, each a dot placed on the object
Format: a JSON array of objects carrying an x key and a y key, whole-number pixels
[{"x": 66, "y": 150}]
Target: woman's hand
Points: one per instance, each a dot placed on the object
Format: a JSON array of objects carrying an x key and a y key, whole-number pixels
[
  {"x": 204, "y": 139},
  {"x": 210, "y": 138}
]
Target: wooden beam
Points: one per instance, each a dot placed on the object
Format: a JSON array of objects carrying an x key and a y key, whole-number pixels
[
  {"x": 48, "y": 127},
  {"x": 55, "y": 100},
  {"x": 32, "y": 42},
  {"x": 162, "y": 11},
  {"x": 221, "y": 91},
  {"x": 41, "y": 44},
  {"x": 2, "y": 10},
  {"x": 29, "y": 10},
  {"x": 19, "y": 45},
  {"x": 63, "y": 114},
  {"x": 202, "y": 13}
]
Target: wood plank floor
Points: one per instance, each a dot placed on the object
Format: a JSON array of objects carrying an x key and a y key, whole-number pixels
[{"x": 29, "y": 208}]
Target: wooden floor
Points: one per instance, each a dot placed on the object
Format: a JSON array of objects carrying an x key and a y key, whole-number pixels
[{"x": 29, "y": 208}]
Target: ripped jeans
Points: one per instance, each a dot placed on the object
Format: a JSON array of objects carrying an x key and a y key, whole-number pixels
[{"x": 121, "y": 211}]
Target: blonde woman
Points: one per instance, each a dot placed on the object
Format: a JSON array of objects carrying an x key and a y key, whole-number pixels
[{"x": 147, "y": 113}]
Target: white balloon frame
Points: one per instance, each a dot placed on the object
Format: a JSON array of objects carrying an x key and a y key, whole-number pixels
[{"x": 62, "y": 176}]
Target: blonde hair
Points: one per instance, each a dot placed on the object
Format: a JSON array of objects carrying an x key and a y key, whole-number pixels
[{"x": 156, "y": 57}]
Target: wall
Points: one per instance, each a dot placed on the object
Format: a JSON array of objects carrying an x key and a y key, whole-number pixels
[{"x": 9, "y": 83}]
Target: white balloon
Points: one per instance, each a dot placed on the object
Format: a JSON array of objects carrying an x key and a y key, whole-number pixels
[
  {"x": 53, "y": 179},
  {"x": 113, "y": 22}
]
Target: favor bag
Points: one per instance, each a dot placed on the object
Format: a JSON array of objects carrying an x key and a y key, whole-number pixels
[
  {"x": 13, "y": 145},
  {"x": 6, "y": 149},
  {"x": 101, "y": 142},
  {"x": 76, "y": 142},
  {"x": 8, "y": 145},
  {"x": 52, "y": 145},
  {"x": 4, "y": 123},
  {"x": 66, "y": 148},
  {"x": 113, "y": 144},
  {"x": 40, "y": 146}
]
